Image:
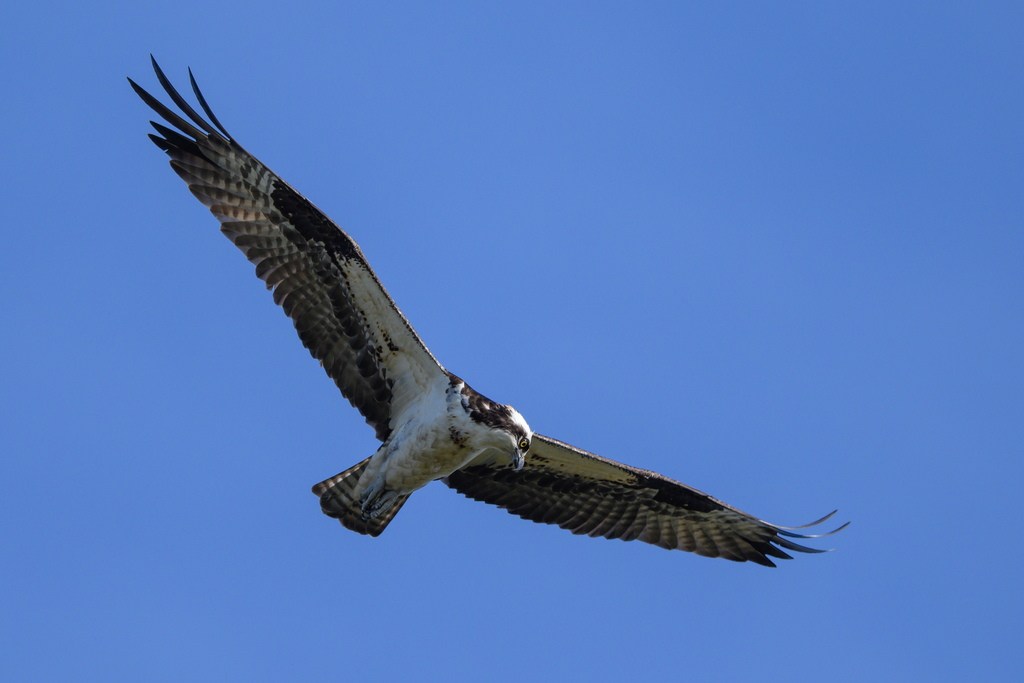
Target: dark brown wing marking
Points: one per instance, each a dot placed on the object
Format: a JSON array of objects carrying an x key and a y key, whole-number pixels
[
  {"x": 319, "y": 276},
  {"x": 588, "y": 494}
]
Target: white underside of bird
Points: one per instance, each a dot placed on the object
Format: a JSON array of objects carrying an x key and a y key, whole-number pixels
[{"x": 433, "y": 438}]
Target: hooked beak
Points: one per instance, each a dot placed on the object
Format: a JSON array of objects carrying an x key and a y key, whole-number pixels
[{"x": 517, "y": 458}]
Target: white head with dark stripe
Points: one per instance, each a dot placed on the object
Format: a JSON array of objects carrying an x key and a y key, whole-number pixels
[
  {"x": 507, "y": 428},
  {"x": 520, "y": 436}
]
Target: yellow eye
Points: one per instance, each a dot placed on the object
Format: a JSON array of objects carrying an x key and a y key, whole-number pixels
[{"x": 524, "y": 445}]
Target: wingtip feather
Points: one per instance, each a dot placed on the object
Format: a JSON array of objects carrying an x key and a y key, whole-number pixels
[
  {"x": 181, "y": 102},
  {"x": 806, "y": 526},
  {"x": 206, "y": 107}
]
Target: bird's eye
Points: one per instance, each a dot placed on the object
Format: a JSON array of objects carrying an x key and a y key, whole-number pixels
[{"x": 524, "y": 445}]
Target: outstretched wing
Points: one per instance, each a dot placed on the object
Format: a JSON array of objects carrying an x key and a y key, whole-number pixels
[
  {"x": 588, "y": 494},
  {"x": 319, "y": 276}
]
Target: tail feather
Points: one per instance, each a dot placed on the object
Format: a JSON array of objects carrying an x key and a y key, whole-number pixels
[{"x": 339, "y": 500}]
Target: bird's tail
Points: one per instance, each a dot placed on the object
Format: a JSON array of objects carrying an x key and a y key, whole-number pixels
[{"x": 338, "y": 499}]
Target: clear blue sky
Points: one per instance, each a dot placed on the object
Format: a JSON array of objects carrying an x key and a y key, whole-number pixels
[{"x": 773, "y": 251}]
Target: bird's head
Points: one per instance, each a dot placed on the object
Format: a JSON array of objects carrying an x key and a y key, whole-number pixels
[
  {"x": 507, "y": 430},
  {"x": 519, "y": 436}
]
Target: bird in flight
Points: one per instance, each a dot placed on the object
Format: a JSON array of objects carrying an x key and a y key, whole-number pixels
[{"x": 431, "y": 424}]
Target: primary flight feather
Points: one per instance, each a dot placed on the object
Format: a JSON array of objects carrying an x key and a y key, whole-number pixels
[{"x": 432, "y": 425}]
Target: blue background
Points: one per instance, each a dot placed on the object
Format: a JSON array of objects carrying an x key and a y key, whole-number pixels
[{"x": 772, "y": 251}]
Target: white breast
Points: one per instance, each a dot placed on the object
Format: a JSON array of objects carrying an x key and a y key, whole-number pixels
[{"x": 434, "y": 438}]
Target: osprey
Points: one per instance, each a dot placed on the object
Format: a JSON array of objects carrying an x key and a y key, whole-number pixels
[{"x": 432, "y": 425}]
